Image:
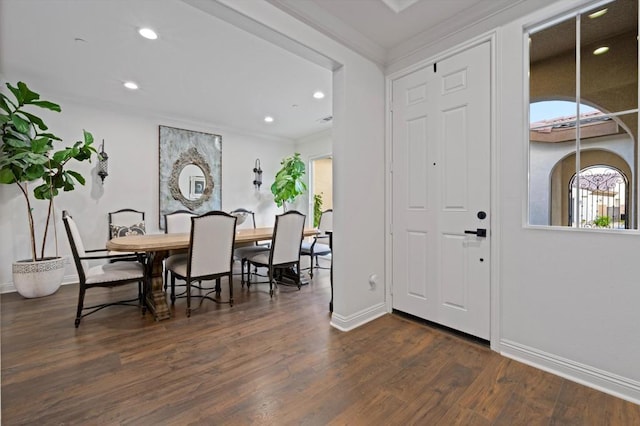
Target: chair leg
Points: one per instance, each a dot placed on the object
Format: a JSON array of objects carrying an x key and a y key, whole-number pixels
[
  {"x": 188, "y": 298},
  {"x": 270, "y": 281},
  {"x": 298, "y": 275},
  {"x": 80, "y": 305},
  {"x": 166, "y": 276},
  {"x": 231, "y": 289},
  {"x": 173, "y": 288},
  {"x": 142, "y": 296}
]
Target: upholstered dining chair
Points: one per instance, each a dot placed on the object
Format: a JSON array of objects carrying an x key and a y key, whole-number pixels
[
  {"x": 284, "y": 254},
  {"x": 319, "y": 245},
  {"x": 210, "y": 257},
  {"x": 126, "y": 222},
  {"x": 176, "y": 222},
  {"x": 245, "y": 250},
  {"x": 107, "y": 275}
]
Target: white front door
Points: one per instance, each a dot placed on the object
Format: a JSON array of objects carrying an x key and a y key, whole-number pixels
[{"x": 441, "y": 188}]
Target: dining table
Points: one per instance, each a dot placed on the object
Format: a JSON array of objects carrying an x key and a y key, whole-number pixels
[{"x": 157, "y": 248}]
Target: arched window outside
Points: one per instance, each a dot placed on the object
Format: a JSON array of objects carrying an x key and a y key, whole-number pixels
[
  {"x": 601, "y": 193},
  {"x": 553, "y": 156}
]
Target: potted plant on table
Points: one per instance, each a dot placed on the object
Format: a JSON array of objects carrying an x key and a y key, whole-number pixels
[
  {"x": 288, "y": 184},
  {"x": 27, "y": 156}
]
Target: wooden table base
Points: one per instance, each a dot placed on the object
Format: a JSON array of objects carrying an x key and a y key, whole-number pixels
[{"x": 155, "y": 296}]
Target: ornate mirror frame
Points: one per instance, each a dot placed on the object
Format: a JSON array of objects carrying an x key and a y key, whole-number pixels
[
  {"x": 179, "y": 148},
  {"x": 191, "y": 156}
]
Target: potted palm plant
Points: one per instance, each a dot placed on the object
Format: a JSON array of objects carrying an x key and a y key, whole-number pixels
[
  {"x": 27, "y": 157},
  {"x": 288, "y": 183}
]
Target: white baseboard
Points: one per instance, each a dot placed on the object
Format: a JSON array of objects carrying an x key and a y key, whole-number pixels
[
  {"x": 359, "y": 318},
  {"x": 9, "y": 288},
  {"x": 601, "y": 380}
]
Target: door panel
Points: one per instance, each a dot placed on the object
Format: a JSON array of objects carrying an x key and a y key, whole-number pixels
[
  {"x": 441, "y": 179},
  {"x": 418, "y": 247},
  {"x": 454, "y": 277},
  {"x": 455, "y": 164},
  {"x": 413, "y": 184}
]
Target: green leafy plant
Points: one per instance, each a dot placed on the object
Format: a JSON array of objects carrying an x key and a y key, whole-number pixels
[
  {"x": 317, "y": 209},
  {"x": 27, "y": 154},
  {"x": 288, "y": 183},
  {"x": 602, "y": 221}
]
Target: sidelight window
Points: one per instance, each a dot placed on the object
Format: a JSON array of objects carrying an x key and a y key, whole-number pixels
[{"x": 583, "y": 118}]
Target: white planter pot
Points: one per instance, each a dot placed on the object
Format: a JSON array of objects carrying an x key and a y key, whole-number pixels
[{"x": 38, "y": 279}]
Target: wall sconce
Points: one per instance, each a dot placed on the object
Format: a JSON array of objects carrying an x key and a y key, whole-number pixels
[
  {"x": 257, "y": 179},
  {"x": 103, "y": 163}
]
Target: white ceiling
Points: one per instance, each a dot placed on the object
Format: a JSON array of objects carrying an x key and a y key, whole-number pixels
[
  {"x": 386, "y": 30},
  {"x": 202, "y": 68}
]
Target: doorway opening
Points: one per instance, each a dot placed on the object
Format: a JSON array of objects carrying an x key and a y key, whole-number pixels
[{"x": 321, "y": 182}]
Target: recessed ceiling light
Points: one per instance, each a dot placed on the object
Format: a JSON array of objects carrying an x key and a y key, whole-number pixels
[
  {"x": 598, "y": 14},
  {"x": 130, "y": 85},
  {"x": 268, "y": 119},
  {"x": 318, "y": 95},
  {"x": 148, "y": 33},
  {"x": 601, "y": 50}
]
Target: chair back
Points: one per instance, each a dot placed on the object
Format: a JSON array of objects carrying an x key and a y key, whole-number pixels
[
  {"x": 178, "y": 222},
  {"x": 125, "y": 222},
  {"x": 211, "y": 248},
  {"x": 326, "y": 221},
  {"x": 287, "y": 236},
  {"x": 77, "y": 246},
  {"x": 246, "y": 218}
]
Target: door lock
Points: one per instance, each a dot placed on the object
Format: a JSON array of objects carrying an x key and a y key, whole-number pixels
[{"x": 480, "y": 232}]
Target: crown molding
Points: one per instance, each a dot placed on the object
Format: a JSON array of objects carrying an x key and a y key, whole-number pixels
[
  {"x": 399, "y": 5},
  {"x": 316, "y": 17},
  {"x": 234, "y": 17},
  {"x": 472, "y": 17}
]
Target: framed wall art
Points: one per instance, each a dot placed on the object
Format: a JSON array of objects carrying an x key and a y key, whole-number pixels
[{"x": 190, "y": 171}]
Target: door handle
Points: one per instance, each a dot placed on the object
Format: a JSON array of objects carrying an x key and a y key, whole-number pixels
[{"x": 480, "y": 232}]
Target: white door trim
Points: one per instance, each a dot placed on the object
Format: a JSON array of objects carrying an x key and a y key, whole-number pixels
[{"x": 494, "y": 227}]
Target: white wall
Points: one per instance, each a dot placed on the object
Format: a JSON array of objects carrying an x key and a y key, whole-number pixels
[
  {"x": 358, "y": 148},
  {"x": 131, "y": 140},
  {"x": 567, "y": 300}
]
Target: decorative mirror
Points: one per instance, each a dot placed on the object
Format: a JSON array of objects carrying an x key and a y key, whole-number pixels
[
  {"x": 190, "y": 171},
  {"x": 190, "y": 182}
]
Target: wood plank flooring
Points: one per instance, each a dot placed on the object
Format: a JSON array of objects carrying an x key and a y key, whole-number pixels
[{"x": 267, "y": 362}]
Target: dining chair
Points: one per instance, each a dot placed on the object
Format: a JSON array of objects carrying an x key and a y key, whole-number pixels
[
  {"x": 317, "y": 247},
  {"x": 243, "y": 251},
  {"x": 210, "y": 257},
  {"x": 106, "y": 275},
  {"x": 176, "y": 222},
  {"x": 125, "y": 222},
  {"x": 283, "y": 256}
]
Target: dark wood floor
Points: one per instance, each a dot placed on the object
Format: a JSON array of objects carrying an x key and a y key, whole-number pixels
[{"x": 268, "y": 361}]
